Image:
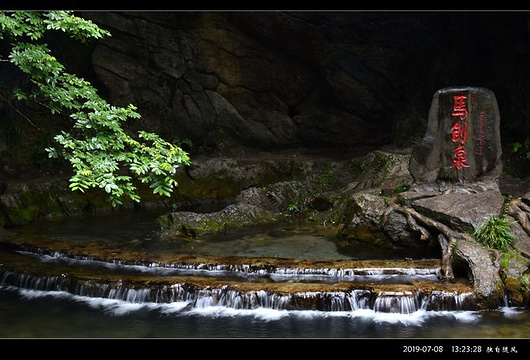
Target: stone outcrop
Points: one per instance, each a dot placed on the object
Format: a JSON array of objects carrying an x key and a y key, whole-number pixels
[
  {"x": 222, "y": 78},
  {"x": 250, "y": 208},
  {"x": 24, "y": 201},
  {"x": 444, "y": 218},
  {"x": 316, "y": 188},
  {"x": 462, "y": 141},
  {"x": 461, "y": 209},
  {"x": 456, "y": 168},
  {"x": 484, "y": 271}
]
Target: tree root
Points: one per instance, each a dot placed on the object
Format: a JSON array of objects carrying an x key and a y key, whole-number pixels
[{"x": 446, "y": 236}]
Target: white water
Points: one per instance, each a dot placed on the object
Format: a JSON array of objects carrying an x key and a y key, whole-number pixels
[
  {"x": 205, "y": 307},
  {"x": 245, "y": 271},
  {"x": 58, "y": 314},
  {"x": 125, "y": 313},
  {"x": 386, "y": 301}
]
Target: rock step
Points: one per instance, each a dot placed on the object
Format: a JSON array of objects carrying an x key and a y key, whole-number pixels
[{"x": 244, "y": 274}]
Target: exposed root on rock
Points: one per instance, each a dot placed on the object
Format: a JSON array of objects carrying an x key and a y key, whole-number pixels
[{"x": 446, "y": 236}]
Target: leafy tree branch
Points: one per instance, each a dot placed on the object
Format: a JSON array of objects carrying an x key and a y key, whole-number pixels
[{"x": 102, "y": 154}]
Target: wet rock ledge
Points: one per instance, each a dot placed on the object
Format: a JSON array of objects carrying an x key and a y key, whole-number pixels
[{"x": 328, "y": 285}]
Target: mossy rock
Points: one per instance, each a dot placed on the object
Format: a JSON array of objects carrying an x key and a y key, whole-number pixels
[
  {"x": 514, "y": 292},
  {"x": 15, "y": 216},
  {"x": 233, "y": 217},
  {"x": 210, "y": 188},
  {"x": 26, "y": 202}
]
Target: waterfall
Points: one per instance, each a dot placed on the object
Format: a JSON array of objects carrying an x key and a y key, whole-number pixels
[
  {"x": 383, "y": 301},
  {"x": 396, "y": 302},
  {"x": 441, "y": 301},
  {"x": 235, "y": 269},
  {"x": 44, "y": 283}
]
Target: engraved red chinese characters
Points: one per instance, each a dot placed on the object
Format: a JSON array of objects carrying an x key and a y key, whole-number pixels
[{"x": 460, "y": 131}]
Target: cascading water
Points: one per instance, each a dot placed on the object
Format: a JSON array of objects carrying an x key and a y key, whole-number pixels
[
  {"x": 224, "y": 296},
  {"x": 213, "y": 296},
  {"x": 401, "y": 302}
]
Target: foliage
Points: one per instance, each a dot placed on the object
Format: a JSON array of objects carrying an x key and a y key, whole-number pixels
[
  {"x": 292, "y": 208},
  {"x": 495, "y": 233},
  {"x": 522, "y": 148},
  {"x": 401, "y": 188},
  {"x": 101, "y": 153},
  {"x": 390, "y": 193}
]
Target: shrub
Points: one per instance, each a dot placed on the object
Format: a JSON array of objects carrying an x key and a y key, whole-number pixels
[{"x": 495, "y": 233}]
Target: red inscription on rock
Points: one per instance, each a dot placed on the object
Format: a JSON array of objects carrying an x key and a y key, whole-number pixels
[{"x": 459, "y": 131}]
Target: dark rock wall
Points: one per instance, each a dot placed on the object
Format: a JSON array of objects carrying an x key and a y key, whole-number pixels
[
  {"x": 271, "y": 80},
  {"x": 283, "y": 79}
]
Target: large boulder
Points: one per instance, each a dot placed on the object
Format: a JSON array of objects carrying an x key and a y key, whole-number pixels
[{"x": 462, "y": 141}]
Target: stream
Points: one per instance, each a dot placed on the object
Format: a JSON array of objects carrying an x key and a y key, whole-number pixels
[{"x": 31, "y": 311}]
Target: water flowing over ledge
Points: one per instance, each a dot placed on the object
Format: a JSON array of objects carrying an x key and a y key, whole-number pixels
[
  {"x": 403, "y": 302},
  {"x": 200, "y": 281},
  {"x": 270, "y": 270},
  {"x": 246, "y": 286}
]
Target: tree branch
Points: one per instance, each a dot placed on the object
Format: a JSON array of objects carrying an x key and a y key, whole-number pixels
[{"x": 19, "y": 112}]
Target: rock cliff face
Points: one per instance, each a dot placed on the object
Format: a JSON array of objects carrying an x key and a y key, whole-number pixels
[
  {"x": 274, "y": 80},
  {"x": 284, "y": 79},
  {"x": 257, "y": 79}
]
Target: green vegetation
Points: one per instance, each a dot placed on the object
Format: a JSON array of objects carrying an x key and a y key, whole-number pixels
[
  {"x": 522, "y": 148},
  {"x": 390, "y": 193},
  {"x": 495, "y": 233},
  {"x": 102, "y": 154},
  {"x": 292, "y": 208}
]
